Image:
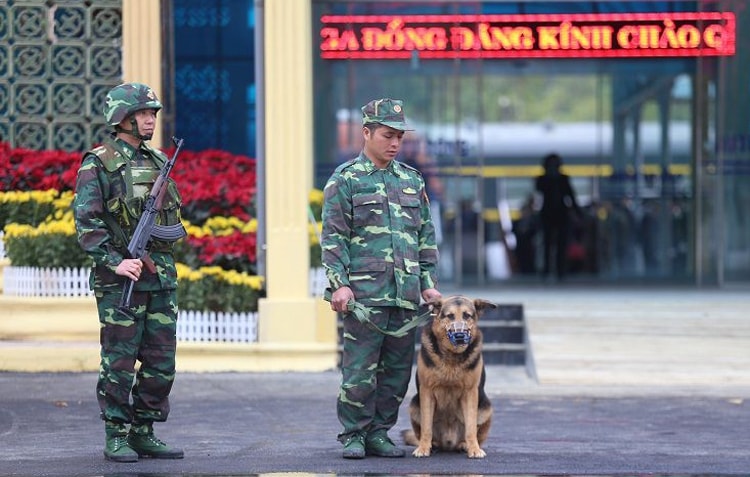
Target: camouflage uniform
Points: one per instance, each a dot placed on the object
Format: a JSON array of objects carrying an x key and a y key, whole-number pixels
[
  {"x": 378, "y": 239},
  {"x": 113, "y": 182}
]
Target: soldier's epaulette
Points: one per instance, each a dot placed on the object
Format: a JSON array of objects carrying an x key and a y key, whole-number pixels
[
  {"x": 99, "y": 150},
  {"x": 409, "y": 167},
  {"x": 159, "y": 157},
  {"x": 111, "y": 160},
  {"x": 346, "y": 165}
]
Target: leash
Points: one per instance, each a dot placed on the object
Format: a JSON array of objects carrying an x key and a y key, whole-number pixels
[{"x": 362, "y": 314}]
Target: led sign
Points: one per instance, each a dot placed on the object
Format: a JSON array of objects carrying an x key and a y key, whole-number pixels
[{"x": 527, "y": 36}]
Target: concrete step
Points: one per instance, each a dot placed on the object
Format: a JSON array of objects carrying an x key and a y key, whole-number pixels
[{"x": 505, "y": 336}]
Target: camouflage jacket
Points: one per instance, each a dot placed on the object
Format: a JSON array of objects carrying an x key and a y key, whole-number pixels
[
  {"x": 113, "y": 183},
  {"x": 378, "y": 237}
]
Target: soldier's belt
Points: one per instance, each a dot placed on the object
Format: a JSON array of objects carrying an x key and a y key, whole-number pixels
[{"x": 362, "y": 314}]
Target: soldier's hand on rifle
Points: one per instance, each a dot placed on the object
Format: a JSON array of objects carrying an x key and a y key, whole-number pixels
[{"x": 131, "y": 268}]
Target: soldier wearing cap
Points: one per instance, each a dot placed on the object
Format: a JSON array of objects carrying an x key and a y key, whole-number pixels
[
  {"x": 113, "y": 182},
  {"x": 379, "y": 251}
]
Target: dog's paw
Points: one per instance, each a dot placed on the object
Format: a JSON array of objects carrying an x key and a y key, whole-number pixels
[
  {"x": 476, "y": 453},
  {"x": 421, "y": 451}
]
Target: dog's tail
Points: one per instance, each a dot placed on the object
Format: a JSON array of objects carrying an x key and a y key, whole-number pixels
[{"x": 409, "y": 437}]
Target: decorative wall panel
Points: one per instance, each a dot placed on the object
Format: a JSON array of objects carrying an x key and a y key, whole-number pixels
[{"x": 58, "y": 59}]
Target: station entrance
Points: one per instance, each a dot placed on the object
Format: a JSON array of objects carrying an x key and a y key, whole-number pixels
[
  {"x": 629, "y": 131},
  {"x": 624, "y": 133}
]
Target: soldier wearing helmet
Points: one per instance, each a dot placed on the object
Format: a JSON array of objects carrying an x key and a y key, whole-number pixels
[
  {"x": 113, "y": 182},
  {"x": 122, "y": 104}
]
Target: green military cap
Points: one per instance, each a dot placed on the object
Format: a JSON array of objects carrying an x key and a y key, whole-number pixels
[{"x": 386, "y": 111}]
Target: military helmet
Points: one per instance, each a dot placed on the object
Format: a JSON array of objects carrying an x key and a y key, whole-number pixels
[{"x": 127, "y": 98}]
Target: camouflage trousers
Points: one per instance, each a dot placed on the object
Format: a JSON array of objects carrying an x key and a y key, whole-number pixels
[
  {"x": 150, "y": 338},
  {"x": 375, "y": 371}
]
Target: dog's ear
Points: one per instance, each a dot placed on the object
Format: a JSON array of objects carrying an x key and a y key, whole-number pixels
[
  {"x": 435, "y": 306},
  {"x": 482, "y": 305}
]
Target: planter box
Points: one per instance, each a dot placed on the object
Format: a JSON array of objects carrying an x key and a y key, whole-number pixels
[
  {"x": 192, "y": 326},
  {"x": 34, "y": 281},
  {"x": 213, "y": 326}
]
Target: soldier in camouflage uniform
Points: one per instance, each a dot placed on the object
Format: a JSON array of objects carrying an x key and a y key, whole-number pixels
[
  {"x": 113, "y": 183},
  {"x": 378, "y": 249}
]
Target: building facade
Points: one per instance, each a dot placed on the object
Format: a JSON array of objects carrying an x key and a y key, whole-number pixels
[
  {"x": 639, "y": 98},
  {"x": 633, "y": 95},
  {"x": 645, "y": 101}
]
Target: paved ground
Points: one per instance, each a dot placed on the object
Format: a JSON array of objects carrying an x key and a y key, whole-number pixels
[
  {"x": 241, "y": 424},
  {"x": 627, "y": 382}
]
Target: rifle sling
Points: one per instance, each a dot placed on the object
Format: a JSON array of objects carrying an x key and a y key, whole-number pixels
[{"x": 115, "y": 227}]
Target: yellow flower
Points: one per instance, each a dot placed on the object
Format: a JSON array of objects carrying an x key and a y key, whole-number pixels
[
  {"x": 223, "y": 226},
  {"x": 39, "y": 196},
  {"x": 64, "y": 201},
  {"x": 231, "y": 277},
  {"x": 193, "y": 230},
  {"x": 250, "y": 227},
  {"x": 314, "y": 232},
  {"x": 14, "y": 230},
  {"x": 316, "y": 197},
  {"x": 211, "y": 271}
]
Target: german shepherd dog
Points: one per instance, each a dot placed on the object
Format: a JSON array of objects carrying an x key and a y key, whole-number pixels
[{"x": 451, "y": 411}]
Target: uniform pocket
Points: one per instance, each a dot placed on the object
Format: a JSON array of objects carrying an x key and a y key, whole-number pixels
[
  {"x": 410, "y": 210},
  {"x": 368, "y": 210},
  {"x": 117, "y": 208},
  {"x": 366, "y": 275}
]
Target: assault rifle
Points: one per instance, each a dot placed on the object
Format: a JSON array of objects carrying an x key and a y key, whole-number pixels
[{"x": 148, "y": 229}]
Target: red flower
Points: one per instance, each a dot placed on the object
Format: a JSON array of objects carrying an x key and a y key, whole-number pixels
[
  {"x": 211, "y": 182},
  {"x": 236, "y": 251}
]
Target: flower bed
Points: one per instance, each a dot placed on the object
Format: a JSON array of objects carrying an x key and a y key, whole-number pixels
[
  {"x": 217, "y": 259},
  {"x": 192, "y": 325}
]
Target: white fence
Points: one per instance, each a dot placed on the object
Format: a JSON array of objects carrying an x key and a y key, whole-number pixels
[
  {"x": 34, "y": 281},
  {"x": 217, "y": 326},
  {"x": 46, "y": 282},
  {"x": 2, "y": 245},
  {"x": 318, "y": 281},
  {"x": 193, "y": 326}
]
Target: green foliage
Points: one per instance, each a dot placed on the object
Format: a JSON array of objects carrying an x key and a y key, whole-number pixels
[
  {"x": 211, "y": 293},
  {"x": 54, "y": 250},
  {"x": 30, "y": 208}
]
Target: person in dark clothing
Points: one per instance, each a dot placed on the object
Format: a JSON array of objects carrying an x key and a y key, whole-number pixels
[
  {"x": 558, "y": 201},
  {"x": 525, "y": 228}
]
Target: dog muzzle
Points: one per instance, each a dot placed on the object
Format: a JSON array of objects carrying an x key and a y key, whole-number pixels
[{"x": 459, "y": 334}]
